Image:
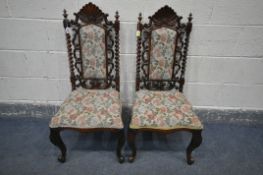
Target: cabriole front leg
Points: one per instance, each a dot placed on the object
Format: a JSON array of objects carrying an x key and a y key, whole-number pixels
[
  {"x": 195, "y": 142},
  {"x": 121, "y": 141},
  {"x": 57, "y": 141},
  {"x": 131, "y": 142}
]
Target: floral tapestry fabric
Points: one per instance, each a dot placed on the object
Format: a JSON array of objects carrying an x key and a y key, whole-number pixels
[
  {"x": 163, "y": 110},
  {"x": 162, "y": 53},
  {"x": 89, "y": 109},
  {"x": 92, "y": 39}
]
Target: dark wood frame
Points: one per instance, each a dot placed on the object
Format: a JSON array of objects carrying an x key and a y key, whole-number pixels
[
  {"x": 164, "y": 17},
  {"x": 91, "y": 14}
]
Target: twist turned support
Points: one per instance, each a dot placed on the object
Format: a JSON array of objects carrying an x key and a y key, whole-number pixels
[
  {"x": 139, "y": 43},
  {"x": 117, "y": 52},
  {"x": 185, "y": 50},
  {"x": 66, "y": 25}
]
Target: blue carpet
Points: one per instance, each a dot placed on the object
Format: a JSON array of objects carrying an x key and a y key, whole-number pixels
[{"x": 227, "y": 149}]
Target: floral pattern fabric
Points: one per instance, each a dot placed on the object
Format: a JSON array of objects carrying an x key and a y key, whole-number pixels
[
  {"x": 92, "y": 39},
  {"x": 163, "y": 110},
  {"x": 89, "y": 109},
  {"x": 162, "y": 53}
]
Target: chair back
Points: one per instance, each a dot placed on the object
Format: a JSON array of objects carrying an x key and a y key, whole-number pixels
[
  {"x": 93, "y": 48},
  {"x": 162, "y": 46}
]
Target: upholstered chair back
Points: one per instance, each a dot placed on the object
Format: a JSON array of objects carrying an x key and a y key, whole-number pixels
[
  {"x": 162, "y": 46},
  {"x": 93, "y": 49},
  {"x": 162, "y": 53}
]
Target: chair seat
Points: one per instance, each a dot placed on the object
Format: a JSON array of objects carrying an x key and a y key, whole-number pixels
[
  {"x": 163, "y": 110},
  {"x": 89, "y": 109}
]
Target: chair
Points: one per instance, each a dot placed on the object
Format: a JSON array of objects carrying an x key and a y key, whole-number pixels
[
  {"x": 93, "y": 53},
  {"x": 160, "y": 105}
]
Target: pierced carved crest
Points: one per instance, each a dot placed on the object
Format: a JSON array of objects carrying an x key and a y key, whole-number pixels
[
  {"x": 165, "y": 16},
  {"x": 90, "y": 13}
]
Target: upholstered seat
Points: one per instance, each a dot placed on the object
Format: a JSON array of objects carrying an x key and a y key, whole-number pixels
[
  {"x": 163, "y": 110},
  {"x": 89, "y": 109}
]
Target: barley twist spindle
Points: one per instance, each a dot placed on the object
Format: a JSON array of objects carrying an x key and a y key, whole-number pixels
[
  {"x": 185, "y": 50},
  {"x": 117, "y": 47},
  {"x": 66, "y": 25},
  {"x": 139, "y": 42}
]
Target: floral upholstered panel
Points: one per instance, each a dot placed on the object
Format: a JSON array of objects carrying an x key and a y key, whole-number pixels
[
  {"x": 89, "y": 109},
  {"x": 92, "y": 39},
  {"x": 162, "y": 53},
  {"x": 163, "y": 110}
]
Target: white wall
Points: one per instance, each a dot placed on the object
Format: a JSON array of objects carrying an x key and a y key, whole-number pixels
[{"x": 224, "y": 68}]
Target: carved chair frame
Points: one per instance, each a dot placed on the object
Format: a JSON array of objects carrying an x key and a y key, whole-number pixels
[
  {"x": 91, "y": 14},
  {"x": 164, "y": 17}
]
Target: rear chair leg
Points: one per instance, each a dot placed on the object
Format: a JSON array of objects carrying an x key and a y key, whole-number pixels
[
  {"x": 57, "y": 141},
  {"x": 121, "y": 141},
  {"x": 195, "y": 142},
  {"x": 131, "y": 142}
]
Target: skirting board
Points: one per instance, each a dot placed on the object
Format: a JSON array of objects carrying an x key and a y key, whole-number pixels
[{"x": 206, "y": 115}]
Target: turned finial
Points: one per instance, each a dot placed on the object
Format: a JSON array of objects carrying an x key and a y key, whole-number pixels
[
  {"x": 65, "y": 13},
  {"x": 117, "y": 15},
  {"x": 138, "y": 32},
  {"x": 189, "y": 24},
  {"x": 140, "y": 17},
  {"x": 190, "y": 17},
  {"x": 65, "y": 21}
]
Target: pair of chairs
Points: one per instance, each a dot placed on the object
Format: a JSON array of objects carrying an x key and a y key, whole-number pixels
[{"x": 94, "y": 103}]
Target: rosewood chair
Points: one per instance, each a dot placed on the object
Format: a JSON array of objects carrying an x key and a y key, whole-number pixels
[
  {"x": 93, "y": 53},
  {"x": 160, "y": 105}
]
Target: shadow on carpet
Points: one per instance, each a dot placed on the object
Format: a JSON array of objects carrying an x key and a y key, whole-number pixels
[{"x": 227, "y": 149}]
